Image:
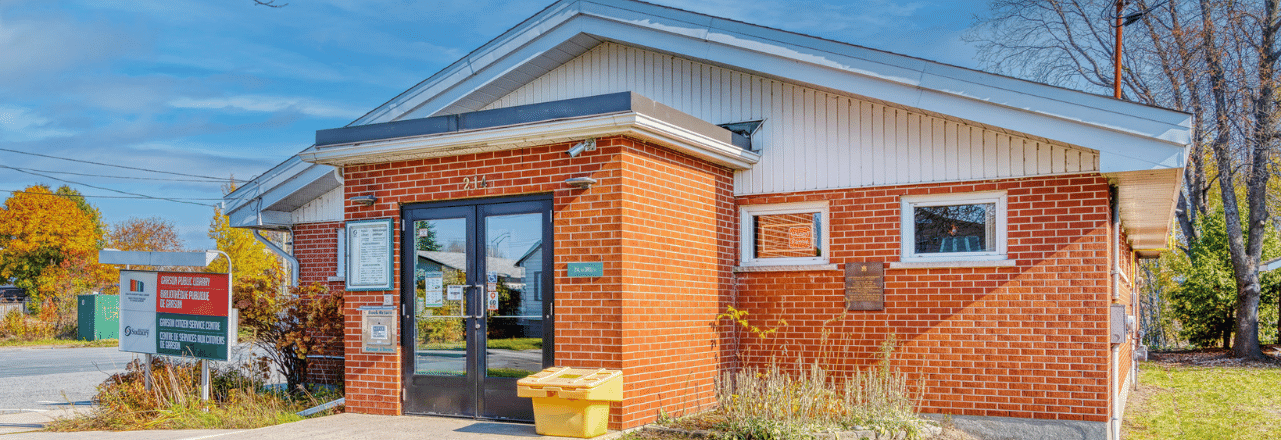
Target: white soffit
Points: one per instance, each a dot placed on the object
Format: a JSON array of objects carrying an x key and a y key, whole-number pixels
[
  {"x": 1128, "y": 136},
  {"x": 1147, "y": 200},
  {"x": 267, "y": 200}
]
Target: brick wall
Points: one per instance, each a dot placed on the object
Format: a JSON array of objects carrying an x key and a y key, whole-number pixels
[
  {"x": 650, "y": 205},
  {"x": 1023, "y": 341},
  {"x": 678, "y": 249},
  {"x": 316, "y": 247}
]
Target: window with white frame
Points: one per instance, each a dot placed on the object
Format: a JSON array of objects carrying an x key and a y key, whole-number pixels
[
  {"x": 784, "y": 234},
  {"x": 954, "y": 227}
]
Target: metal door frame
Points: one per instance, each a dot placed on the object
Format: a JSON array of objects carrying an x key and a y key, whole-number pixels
[{"x": 498, "y": 392}]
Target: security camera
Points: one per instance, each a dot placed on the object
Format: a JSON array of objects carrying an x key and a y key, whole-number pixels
[{"x": 579, "y": 148}]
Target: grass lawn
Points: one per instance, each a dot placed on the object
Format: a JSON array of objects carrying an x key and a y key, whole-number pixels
[
  {"x": 1176, "y": 401},
  {"x": 68, "y": 343}
]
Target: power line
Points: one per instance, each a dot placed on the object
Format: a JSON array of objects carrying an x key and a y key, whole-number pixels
[
  {"x": 82, "y": 195},
  {"x": 115, "y": 177},
  {"x": 102, "y": 188},
  {"x": 113, "y": 165}
]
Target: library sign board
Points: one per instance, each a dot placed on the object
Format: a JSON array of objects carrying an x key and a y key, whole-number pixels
[{"x": 176, "y": 314}]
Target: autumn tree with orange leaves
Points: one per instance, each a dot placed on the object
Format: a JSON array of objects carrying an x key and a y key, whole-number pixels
[{"x": 48, "y": 246}]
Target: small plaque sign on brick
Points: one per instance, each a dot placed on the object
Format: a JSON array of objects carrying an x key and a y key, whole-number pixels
[
  {"x": 377, "y": 329},
  {"x": 865, "y": 286}
]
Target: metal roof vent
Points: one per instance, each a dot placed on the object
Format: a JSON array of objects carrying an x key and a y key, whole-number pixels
[{"x": 743, "y": 132}]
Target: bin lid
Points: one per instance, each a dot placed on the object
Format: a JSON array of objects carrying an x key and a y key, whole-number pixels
[{"x": 569, "y": 378}]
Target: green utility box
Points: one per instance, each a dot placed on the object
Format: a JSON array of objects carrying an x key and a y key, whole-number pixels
[{"x": 99, "y": 317}]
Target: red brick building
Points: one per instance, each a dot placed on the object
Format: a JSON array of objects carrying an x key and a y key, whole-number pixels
[{"x": 593, "y": 187}]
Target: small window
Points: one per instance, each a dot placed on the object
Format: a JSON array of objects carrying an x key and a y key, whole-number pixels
[
  {"x": 340, "y": 269},
  {"x": 784, "y": 234},
  {"x": 967, "y": 226}
]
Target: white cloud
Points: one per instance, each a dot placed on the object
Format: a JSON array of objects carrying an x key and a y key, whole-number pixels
[
  {"x": 270, "y": 104},
  {"x": 18, "y": 124}
]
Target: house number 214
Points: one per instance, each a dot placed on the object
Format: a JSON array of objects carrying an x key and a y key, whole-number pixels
[{"x": 476, "y": 182}]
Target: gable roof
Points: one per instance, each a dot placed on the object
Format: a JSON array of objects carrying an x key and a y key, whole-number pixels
[
  {"x": 1129, "y": 136},
  {"x": 1141, "y": 148}
]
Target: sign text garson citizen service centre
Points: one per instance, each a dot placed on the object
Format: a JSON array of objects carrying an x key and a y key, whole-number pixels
[{"x": 175, "y": 313}]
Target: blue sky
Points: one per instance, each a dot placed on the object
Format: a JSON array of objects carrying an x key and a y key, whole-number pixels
[{"x": 226, "y": 88}]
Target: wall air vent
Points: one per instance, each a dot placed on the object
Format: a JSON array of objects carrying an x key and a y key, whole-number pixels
[{"x": 743, "y": 132}]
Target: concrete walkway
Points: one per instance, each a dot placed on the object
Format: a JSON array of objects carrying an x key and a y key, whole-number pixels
[{"x": 341, "y": 426}]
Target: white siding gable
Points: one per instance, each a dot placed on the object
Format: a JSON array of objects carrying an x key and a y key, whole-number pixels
[
  {"x": 326, "y": 208},
  {"x": 812, "y": 139}
]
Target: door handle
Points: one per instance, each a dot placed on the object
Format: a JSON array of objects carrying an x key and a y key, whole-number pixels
[{"x": 477, "y": 317}]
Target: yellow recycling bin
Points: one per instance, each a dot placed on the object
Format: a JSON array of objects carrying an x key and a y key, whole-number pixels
[{"x": 572, "y": 402}]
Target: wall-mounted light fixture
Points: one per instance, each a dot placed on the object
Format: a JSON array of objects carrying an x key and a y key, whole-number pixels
[
  {"x": 368, "y": 200},
  {"x": 579, "y": 148},
  {"x": 580, "y": 182}
]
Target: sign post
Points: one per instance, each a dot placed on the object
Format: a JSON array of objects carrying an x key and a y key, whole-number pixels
[{"x": 175, "y": 313}]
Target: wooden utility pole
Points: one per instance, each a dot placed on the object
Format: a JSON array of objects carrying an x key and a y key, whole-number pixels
[{"x": 1116, "y": 78}]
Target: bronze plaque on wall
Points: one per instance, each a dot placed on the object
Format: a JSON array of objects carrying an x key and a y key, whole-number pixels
[{"x": 865, "y": 286}]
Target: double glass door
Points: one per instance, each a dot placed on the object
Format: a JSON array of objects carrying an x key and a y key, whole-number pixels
[{"x": 477, "y": 300}]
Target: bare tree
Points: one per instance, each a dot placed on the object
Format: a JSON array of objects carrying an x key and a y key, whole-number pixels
[{"x": 1214, "y": 59}]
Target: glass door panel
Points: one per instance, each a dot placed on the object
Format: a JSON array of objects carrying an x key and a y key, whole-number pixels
[
  {"x": 515, "y": 242},
  {"x": 514, "y": 305},
  {"x": 438, "y": 267},
  {"x": 440, "y": 303}
]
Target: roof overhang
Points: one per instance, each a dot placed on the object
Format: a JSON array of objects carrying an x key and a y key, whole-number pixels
[
  {"x": 1142, "y": 149},
  {"x": 1147, "y": 200},
  {"x": 268, "y": 201},
  {"x": 626, "y": 114}
]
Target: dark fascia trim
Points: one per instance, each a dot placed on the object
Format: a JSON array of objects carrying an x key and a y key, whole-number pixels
[{"x": 526, "y": 114}]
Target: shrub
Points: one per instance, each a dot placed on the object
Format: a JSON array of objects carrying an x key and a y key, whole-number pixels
[
  {"x": 238, "y": 400},
  {"x": 790, "y": 399},
  {"x": 292, "y": 327},
  {"x": 21, "y": 326},
  {"x": 1201, "y": 289}
]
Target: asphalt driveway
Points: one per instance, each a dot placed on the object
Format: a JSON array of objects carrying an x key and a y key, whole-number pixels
[{"x": 45, "y": 378}]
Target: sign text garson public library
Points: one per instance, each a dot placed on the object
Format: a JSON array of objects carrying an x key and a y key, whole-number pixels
[{"x": 176, "y": 314}]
